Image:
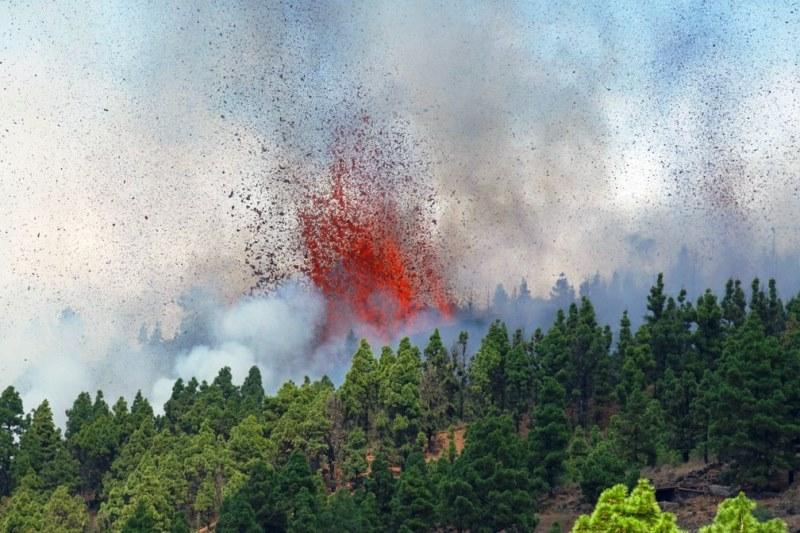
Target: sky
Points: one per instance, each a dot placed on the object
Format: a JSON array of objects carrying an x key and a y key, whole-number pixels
[{"x": 577, "y": 137}]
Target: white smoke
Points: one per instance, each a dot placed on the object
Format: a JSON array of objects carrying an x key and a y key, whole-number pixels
[
  {"x": 43, "y": 360},
  {"x": 276, "y": 332}
]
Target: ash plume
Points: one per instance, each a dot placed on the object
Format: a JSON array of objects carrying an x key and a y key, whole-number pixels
[{"x": 156, "y": 161}]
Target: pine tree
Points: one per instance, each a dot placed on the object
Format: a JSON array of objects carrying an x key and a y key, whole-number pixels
[
  {"x": 487, "y": 375},
  {"x": 95, "y": 443},
  {"x": 381, "y": 428},
  {"x": 708, "y": 336},
  {"x": 81, "y": 413},
  {"x": 237, "y": 516},
  {"x": 624, "y": 344},
  {"x": 142, "y": 521},
  {"x": 704, "y": 410},
  {"x": 178, "y": 522},
  {"x": 64, "y": 513},
  {"x": 22, "y": 512},
  {"x": 577, "y": 451},
  {"x": 678, "y": 398},
  {"x": 734, "y": 304},
  {"x": 400, "y": 396},
  {"x": 355, "y": 457},
  {"x": 736, "y": 515},
  {"x": 758, "y": 302},
  {"x": 458, "y": 504},
  {"x": 775, "y": 322},
  {"x": 670, "y": 337},
  {"x": 601, "y": 467},
  {"x": 459, "y": 356},
  {"x": 549, "y": 436},
  {"x": 305, "y": 513},
  {"x": 637, "y": 368},
  {"x": 299, "y": 493},
  {"x": 218, "y": 404},
  {"x": 11, "y": 426},
  {"x": 43, "y": 453},
  {"x": 637, "y": 512},
  {"x": 381, "y": 483},
  {"x": 205, "y": 470},
  {"x": 655, "y": 301},
  {"x": 252, "y": 393},
  {"x": 140, "y": 410},
  {"x": 519, "y": 373},
  {"x": 638, "y": 428},
  {"x": 303, "y": 426},
  {"x": 588, "y": 363},
  {"x": 263, "y": 493},
  {"x": 552, "y": 351},
  {"x": 754, "y": 427},
  {"x": 412, "y": 506},
  {"x": 437, "y": 387},
  {"x": 359, "y": 392},
  {"x": 352, "y": 513},
  {"x": 791, "y": 344},
  {"x": 492, "y": 480},
  {"x": 178, "y": 405},
  {"x": 335, "y": 441},
  {"x": 122, "y": 420},
  {"x": 248, "y": 444}
]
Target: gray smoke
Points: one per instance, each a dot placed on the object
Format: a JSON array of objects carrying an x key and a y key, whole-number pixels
[{"x": 607, "y": 142}]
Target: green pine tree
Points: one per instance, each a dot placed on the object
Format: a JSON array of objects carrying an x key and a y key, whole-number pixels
[
  {"x": 736, "y": 515},
  {"x": 43, "y": 453},
  {"x": 638, "y": 429},
  {"x": 637, "y": 512},
  {"x": 754, "y": 426},
  {"x": 11, "y": 426},
  {"x": 487, "y": 370},
  {"x": 381, "y": 483},
  {"x": 549, "y": 435},
  {"x": 438, "y": 387},
  {"x": 252, "y": 393},
  {"x": 359, "y": 392},
  {"x": 602, "y": 467},
  {"x": 237, "y": 516},
  {"x": 412, "y": 506},
  {"x": 519, "y": 372},
  {"x": 142, "y": 521},
  {"x": 491, "y": 483},
  {"x": 400, "y": 396}
]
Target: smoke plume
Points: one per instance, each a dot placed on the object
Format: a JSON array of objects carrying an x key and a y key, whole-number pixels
[{"x": 156, "y": 161}]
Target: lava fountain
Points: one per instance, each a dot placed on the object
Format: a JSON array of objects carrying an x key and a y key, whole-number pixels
[{"x": 368, "y": 238}]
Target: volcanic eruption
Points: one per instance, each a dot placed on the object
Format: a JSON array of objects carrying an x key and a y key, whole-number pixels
[
  {"x": 366, "y": 234},
  {"x": 368, "y": 239}
]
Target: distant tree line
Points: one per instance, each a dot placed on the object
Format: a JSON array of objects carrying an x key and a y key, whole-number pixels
[{"x": 717, "y": 380}]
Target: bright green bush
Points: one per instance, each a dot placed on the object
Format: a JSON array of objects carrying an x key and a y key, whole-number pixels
[
  {"x": 637, "y": 512},
  {"x": 735, "y": 515}
]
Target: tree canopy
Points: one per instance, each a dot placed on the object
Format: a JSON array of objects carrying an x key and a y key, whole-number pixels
[{"x": 717, "y": 379}]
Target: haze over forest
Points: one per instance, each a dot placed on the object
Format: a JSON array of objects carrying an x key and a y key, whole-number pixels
[
  {"x": 186, "y": 188},
  {"x": 588, "y": 140}
]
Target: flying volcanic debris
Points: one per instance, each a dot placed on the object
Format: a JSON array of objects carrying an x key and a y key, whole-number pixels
[{"x": 366, "y": 231}]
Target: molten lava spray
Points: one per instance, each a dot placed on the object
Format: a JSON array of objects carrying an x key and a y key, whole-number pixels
[{"x": 368, "y": 238}]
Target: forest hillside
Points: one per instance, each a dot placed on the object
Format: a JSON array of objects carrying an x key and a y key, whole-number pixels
[{"x": 484, "y": 435}]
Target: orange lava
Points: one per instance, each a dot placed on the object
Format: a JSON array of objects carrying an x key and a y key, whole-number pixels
[{"x": 370, "y": 254}]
